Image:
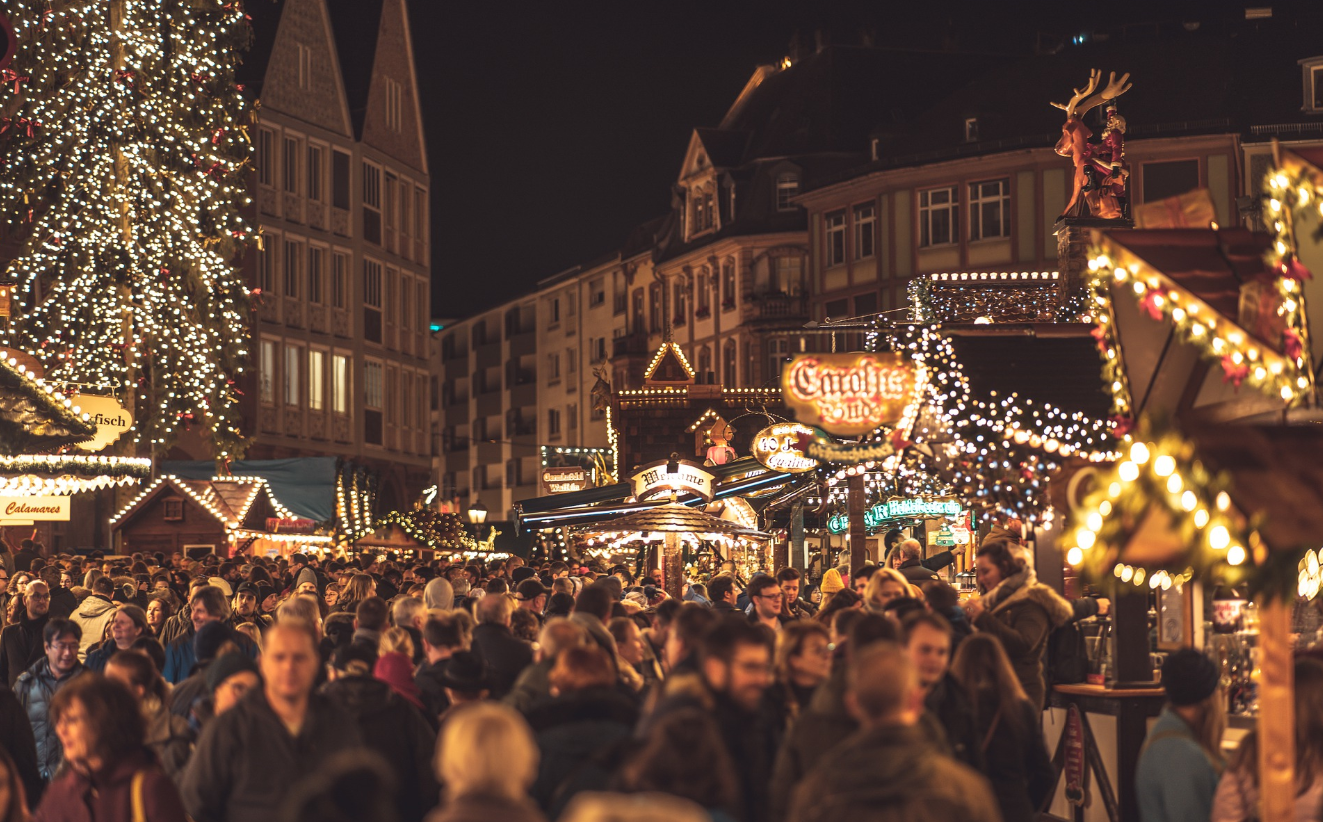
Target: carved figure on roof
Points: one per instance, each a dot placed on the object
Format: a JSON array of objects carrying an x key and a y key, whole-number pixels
[
  {"x": 601, "y": 391},
  {"x": 1099, "y": 186}
]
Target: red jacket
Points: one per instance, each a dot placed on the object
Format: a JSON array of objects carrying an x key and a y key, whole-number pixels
[{"x": 108, "y": 796}]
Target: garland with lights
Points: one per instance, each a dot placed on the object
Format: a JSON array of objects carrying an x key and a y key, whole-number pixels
[
  {"x": 127, "y": 165},
  {"x": 432, "y": 529}
]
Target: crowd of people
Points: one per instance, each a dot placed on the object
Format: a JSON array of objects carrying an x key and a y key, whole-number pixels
[{"x": 159, "y": 688}]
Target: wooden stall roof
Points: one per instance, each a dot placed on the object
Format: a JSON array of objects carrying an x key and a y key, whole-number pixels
[{"x": 34, "y": 419}]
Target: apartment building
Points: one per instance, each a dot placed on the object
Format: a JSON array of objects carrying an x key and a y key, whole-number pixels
[{"x": 341, "y": 326}]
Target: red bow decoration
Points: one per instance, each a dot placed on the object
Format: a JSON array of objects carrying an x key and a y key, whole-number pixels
[
  {"x": 898, "y": 440},
  {"x": 1121, "y": 425},
  {"x": 1100, "y": 334},
  {"x": 1233, "y": 373},
  {"x": 1149, "y": 303},
  {"x": 124, "y": 76},
  {"x": 11, "y": 76},
  {"x": 1295, "y": 347},
  {"x": 1293, "y": 269}
]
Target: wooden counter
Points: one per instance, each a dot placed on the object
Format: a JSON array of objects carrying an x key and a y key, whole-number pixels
[{"x": 1084, "y": 689}]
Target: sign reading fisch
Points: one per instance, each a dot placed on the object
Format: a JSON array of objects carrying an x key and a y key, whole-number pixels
[
  {"x": 109, "y": 417},
  {"x": 849, "y": 394},
  {"x": 777, "y": 448},
  {"x": 18, "y": 510},
  {"x": 566, "y": 480},
  {"x": 655, "y": 480}
]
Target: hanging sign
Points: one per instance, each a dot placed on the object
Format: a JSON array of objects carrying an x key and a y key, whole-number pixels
[
  {"x": 655, "y": 480},
  {"x": 849, "y": 394},
  {"x": 564, "y": 480},
  {"x": 1074, "y": 764},
  {"x": 286, "y": 525},
  {"x": 110, "y": 418},
  {"x": 777, "y": 448},
  {"x": 23, "y": 510},
  {"x": 897, "y": 509}
]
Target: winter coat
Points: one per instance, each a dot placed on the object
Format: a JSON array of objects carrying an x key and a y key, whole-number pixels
[
  {"x": 92, "y": 616},
  {"x": 396, "y": 730},
  {"x": 99, "y": 655},
  {"x": 504, "y": 655},
  {"x": 915, "y": 572},
  {"x": 63, "y": 604},
  {"x": 949, "y": 705},
  {"x": 108, "y": 796},
  {"x": 481, "y": 808},
  {"x": 16, "y": 737},
  {"x": 1016, "y": 762},
  {"x": 428, "y": 680},
  {"x": 1175, "y": 780},
  {"x": 23, "y": 560},
  {"x": 532, "y": 686},
  {"x": 1021, "y": 612},
  {"x": 35, "y": 689},
  {"x": 246, "y": 761},
  {"x": 170, "y": 737},
  {"x": 181, "y": 656},
  {"x": 21, "y": 645},
  {"x": 580, "y": 736},
  {"x": 1237, "y": 798},
  {"x": 823, "y": 726},
  {"x": 892, "y": 773}
]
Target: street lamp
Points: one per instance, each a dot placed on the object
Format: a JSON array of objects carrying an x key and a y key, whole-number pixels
[{"x": 477, "y": 513}]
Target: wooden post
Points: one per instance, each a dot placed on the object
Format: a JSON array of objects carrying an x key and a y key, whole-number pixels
[
  {"x": 797, "y": 536},
  {"x": 1276, "y": 713},
  {"x": 673, "y": 567},
  {"x": 858, "y": 532}
]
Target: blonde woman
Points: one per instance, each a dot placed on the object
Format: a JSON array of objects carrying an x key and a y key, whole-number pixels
[
  {"x": 885, "y": 585},
  {"x": 487, "y": 758},
  {"x": 358, "y": 588}
]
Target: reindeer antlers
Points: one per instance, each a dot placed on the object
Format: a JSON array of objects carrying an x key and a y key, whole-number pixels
[{"x": 1078, "y": 105}]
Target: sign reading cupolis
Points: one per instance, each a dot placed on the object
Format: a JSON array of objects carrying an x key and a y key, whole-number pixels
[
  {"x": 849, "y": 394},
  {"x": 777, "y": 448}
]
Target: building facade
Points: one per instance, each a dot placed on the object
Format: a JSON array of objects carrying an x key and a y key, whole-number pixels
[{"x": 341, "y": 359}]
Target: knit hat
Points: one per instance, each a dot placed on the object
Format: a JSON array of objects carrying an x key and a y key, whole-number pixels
[
  {"x": 1188, "y": 677},
  {"x": 560, "y": 604},
  {"x": 521, "y": 573},
  {"x": 209, "y": 638},
  {"x": 227, "y": 666},
  {"x": 529, "y": 590},
  {"x": 439, "y": 594},
  {"x": 831, "y": 582},
  {"x": 464, "y": 673},
  {"x": 306, "y": 575}
]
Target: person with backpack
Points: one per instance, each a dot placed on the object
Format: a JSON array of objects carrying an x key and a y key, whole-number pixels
[{"x": 1181, "y": 761}]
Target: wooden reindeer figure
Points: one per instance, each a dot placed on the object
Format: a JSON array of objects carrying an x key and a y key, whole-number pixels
[{"x": 1090, "y": 159}]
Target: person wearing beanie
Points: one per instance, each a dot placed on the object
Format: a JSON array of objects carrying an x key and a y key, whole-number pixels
[
  {"x": 212, "y": 640},
  {"x": 439, "y": 594},
  {"x": 831, "y": 583},
  {"x": 306, "y": 582},
  {"x": 1181, "y": 760},
  {"x": 229, "y": 678}
]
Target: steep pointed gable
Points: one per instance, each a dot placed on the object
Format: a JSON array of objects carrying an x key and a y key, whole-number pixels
[
  {"x": 669, "y": 367},
  {"x": 393, "y": 116},
  {"x": 356, "y": 25},
  {"x": 303, "y": 74}
]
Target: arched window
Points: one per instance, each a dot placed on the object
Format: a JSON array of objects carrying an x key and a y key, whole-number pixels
[
  {"x": 729, "y": 374},
  {"x": 704, "y": 361}
]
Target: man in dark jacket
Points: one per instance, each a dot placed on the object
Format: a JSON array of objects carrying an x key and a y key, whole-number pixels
[
  {"x": 390, "y": 726},
  {"x": 23, "y": 557},
  {"x": 37, "y": 686},
  {"x": 493, "y": 641},
  {"x": 63, "y": 602},
  {"x": 254, "y": 754},
  {"x": 911, "y": 563},
  {"x": 209, "y": 605},
  {"x": 21, "y": 643},
  {"x": 721, "y": 592},
  {"x": 889, "y": 770},
  {"x": 928, "y": 642},
  {"x": 16, "y": 737},
  {"x": 443, "y": 637}
]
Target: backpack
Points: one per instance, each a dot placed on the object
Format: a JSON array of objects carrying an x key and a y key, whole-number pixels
[{"x": 1067, "y": 656}]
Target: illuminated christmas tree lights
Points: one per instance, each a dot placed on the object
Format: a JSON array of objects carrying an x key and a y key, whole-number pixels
[{"x": 125, "y": 160}]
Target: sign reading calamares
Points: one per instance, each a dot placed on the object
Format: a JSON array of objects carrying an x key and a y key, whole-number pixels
[
  {"x": 849, "y": 394},
  {"x": 15, "y": 510}
]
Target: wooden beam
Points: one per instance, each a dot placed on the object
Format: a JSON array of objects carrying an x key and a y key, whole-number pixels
[{"x": 1277, "y": 789}]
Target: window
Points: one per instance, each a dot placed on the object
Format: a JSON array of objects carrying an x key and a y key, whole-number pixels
[
  {"x": 305, "y": 67},
  {"x": 406, "y": 300},
  {"x": 554, "y": 308},
  {"x": 572, "y": 414},
  {"x": 937, "y": 217},
  {"x": 419, "y": 209},
  {"x": 655, "y": 308},
  {"x": 708, "y": 218},
  {"x": 291, "y": 165},
  {"x": 424, "y": 305},
  {"x": 1316, "y": 86},
  {"x": 389, "y": 398},
  {"x": 569, "y": 305},
  {"x": 316, "y": 379},
  {"x": 696, "y": 198},
  {"x": 596, "y": 293},
  {"x": 865, "y": 304},
  {"x": 864, "y": 219},
  {"x": 787, "y": 186},
  {"x": 371, "y": 203},
  {"x": 293, "y": 356},
  {"x": 340, "y": 180},
  {"x": 479, "y": 477},
  {"x": 702, "y": 297},
  {"x": 786, "y": 275},
  {"x": 571, "y": 365},
  {"x": 268, "y": 375},
  {"x": 266, "y": 157},
  {"x": 553, "y": 422},
  {"x": 514, "y": 473},
  {"x": 394, "y": 105},
  {"x": 834, "y": 251},
  {"x": 372, "y": 385},
  {"x": 340, "y": 384},
  {"x": 597, "y": 349},
  {"x": 989, "y": 209},
  {"x": 728, "y": 286},
  {"x": 266, "y": 263},
  {"x": 681, "y": 306},
  {"x": 778, "y": 351},
  {"x": 372, "y": 283},
  {"x": 971, "y": 129},
  {"x": 340, "y": 280},
  {"x": 316, "y": 268},
  {"x": 553, "y": 367},
  {"x": 392, "y": 288},
  {"x": 836, "y": 309},
  {"x": 728, "y": 369},
  {"x": 173, "y": 509},
  {"x": 391, "y": 206},
  {"x": 293, "y": 268},
  {"x": 406, "y": 401},
  {"x": 1169, "y": 179},
  {"x": 704, "y": 362},
  {"x": 315, "y": 173}
]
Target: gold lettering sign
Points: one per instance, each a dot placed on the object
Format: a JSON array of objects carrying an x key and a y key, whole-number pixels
[
  {"x": 656, "y": 479},
  {"x": 565, "y": 480},
  {"x": 849, "y": 394},
  {"x": 777, "y": 448},
  {"x": 28, "y": 509}
]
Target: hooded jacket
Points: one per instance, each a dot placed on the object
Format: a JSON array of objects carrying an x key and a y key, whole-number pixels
[
  {"x": 439, "y": 593},
  {"x": 1021, "y": 612},
  {"x": 892, "y": 774},
  {"x": 396, "y": 730},
  {"x": 93, "y": 615},
  {"x": 35, "y": 689}
]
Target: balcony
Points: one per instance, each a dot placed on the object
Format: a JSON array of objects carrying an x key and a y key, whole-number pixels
[
  {"x": 776, "y": 306},
  {"x": 630, "y": 345},
  {"x": 523, "y": 344}
]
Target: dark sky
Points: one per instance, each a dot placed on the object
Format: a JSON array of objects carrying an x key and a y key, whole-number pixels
[{"x": 554, "y": 128}]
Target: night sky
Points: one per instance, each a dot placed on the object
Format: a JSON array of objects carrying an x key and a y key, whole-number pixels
[{"x": 555, "y": 128}]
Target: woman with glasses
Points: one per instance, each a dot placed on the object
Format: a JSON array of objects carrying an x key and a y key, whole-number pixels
[{"x": 803, "y": 662}]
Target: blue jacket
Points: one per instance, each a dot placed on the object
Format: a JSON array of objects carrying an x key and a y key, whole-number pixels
[
  {"x": 181, "y": 656},
  {"x": 1175, "y": 780},
  {"x": 35, "y": 689}
]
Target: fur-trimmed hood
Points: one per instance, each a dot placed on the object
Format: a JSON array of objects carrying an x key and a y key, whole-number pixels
[{"x": 1025, "y": 586}]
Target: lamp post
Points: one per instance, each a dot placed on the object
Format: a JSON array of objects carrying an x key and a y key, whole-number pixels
[{"x": 477, "y": 516}]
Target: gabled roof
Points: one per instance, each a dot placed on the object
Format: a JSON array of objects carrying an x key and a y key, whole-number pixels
[
  {"x": 34, "y": 417},
  {"x": 357, "y": 26},
  {"x": 264, "y": 17},
  {"x": 232, "y": 501},
  {"x": 669, "y": 367}
]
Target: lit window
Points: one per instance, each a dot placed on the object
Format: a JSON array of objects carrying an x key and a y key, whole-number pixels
[
  {"x": 316, "y": 379},
  {"x": 340, "y": 384},
  {"x": 293, "y": 356},
  {"x": 268, "y": 372},
  {"x": 372, "y": 385},
  {"x": 989, "y": 209}
]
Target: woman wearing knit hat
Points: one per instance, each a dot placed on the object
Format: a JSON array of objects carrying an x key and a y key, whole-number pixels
[{"x": 1181, "y": 760}]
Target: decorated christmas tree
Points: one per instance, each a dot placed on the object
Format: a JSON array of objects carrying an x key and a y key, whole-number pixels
[{"x": 124, "y": 151}]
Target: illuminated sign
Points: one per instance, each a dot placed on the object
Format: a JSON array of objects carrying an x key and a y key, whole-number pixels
[
  {"x": 566, "y": 480},
  {"x": 896, "y": 509},
  {"x": 109, "y": 417},
  {"x": 290, "y": 525},
  {"x": 849, "y": 394},
  {"x": 777, "y": 448},
  {"x": 16, "y": 510},
  {"x": 655, "y": 480}
]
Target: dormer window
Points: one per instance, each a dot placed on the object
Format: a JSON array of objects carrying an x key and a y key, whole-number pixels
[
  {"x": 1313, "y": 84},
  {"x": 787, "y": 188}
]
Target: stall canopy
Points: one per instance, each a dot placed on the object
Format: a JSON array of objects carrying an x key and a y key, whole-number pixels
[{"x": 306, "y": 486}]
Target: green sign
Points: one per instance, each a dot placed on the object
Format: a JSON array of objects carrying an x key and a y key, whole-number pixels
[{"x": 897, "y": 509}]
